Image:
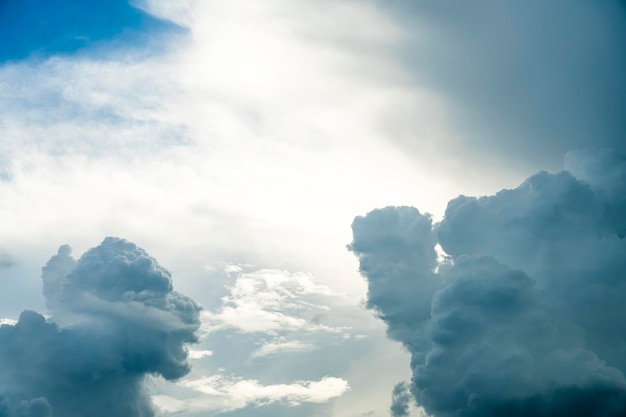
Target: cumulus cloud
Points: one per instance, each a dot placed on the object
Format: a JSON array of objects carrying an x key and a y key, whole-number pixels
[
  {"x": 524, "y": 317},
  {"x": 115, "y": 319}
]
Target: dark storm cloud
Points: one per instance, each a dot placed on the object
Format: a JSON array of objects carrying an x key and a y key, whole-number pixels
[
  {"x": 522, "y": 75},
  {"x": 397, "y": 245},
  {"x": 43, "y": 27},
  {"x": 527, "y": 315},
  {"x": 115, "y": 319}
]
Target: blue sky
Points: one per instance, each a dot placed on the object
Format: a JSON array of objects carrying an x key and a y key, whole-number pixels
[{"x": 233, "y": 143}]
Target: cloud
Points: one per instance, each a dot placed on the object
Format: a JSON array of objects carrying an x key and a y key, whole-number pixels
[
  {"x": 270, "y": 301},
  {"x": 115, "y": 320},
  {"x": 400, "y": 400},
  {"x": 40, "y": 28},
  {"x": 397, "y": 245},
  {"x": 520, "y": 76},
  {"x": 525, "y": 315},
  {"x": 281, "y": 346},
  {"x": 230, "y": 393}
]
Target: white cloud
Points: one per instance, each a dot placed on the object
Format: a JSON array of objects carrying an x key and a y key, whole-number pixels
[
  {"x": 7, "y": 321},
  {"x": 222, "y": 393},
  {"x": 281, "y": 346},
  {"x": 270, "y": 301},
  {"x": 199, "y": 354},
  {"x": 229, "y": 393}
]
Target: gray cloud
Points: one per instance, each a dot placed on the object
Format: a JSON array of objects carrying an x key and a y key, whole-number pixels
[
  {"x": 115, "y": 319},
  {"x": 526, "y": 316},
  {"x": 521, "y": 76},
  {"x": 400, "y": 400}
]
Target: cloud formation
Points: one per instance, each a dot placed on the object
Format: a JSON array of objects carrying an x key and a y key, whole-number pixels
[
  {"x": 229, "y": 393},
  {"x": 524, "y": 315},
  {"x": 400, "y": 400},
  {"x": 115, "y": 319},
  {"x": 270, "y": 301}
]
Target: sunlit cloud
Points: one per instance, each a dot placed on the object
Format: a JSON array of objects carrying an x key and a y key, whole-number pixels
[
  {"x": 270, "y": 301},
  {"x": 199, "y": 354},
  {"x": 227, "y": 393},
  {"x": 10, "y": 322}
]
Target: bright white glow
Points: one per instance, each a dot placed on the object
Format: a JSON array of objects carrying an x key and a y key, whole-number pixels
[{"x": 10, "y": 322}]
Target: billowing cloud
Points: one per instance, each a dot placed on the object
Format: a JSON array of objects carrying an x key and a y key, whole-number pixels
[
  {"x": 115, "y": 319},
  {"x": 42, "y": 28},
  {"x": 524, "y": 315}
]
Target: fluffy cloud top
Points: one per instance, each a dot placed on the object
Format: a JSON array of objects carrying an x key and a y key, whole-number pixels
[
  {"x": 115, "y": 319},
  {"x": 524, "y": 317}
]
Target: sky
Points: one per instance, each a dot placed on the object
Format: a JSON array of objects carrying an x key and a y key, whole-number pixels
[{"x": 314, "y": 208}]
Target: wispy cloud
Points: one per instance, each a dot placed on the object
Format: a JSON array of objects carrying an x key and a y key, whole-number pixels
[
  {"x": 227, "y": 393},
  {"x": 280, "y": 346},
  {"x": 271, "y": 301}
]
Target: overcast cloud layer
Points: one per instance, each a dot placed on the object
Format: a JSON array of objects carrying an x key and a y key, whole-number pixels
[
  {"x": 523, "y": 315},
  {"x": 524, "y": 82}
]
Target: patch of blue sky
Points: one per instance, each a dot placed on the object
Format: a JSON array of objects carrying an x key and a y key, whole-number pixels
[{"x": 42, "y": 28}]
